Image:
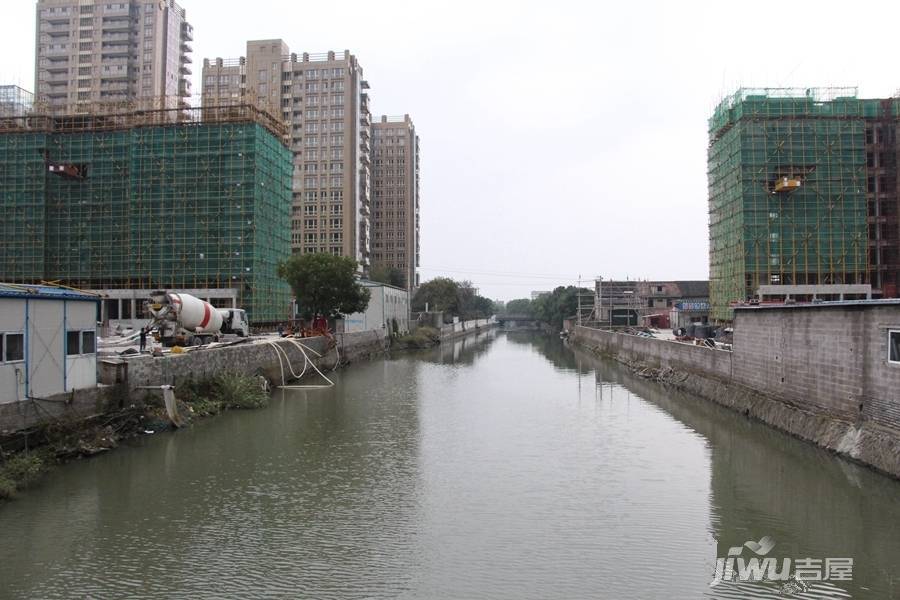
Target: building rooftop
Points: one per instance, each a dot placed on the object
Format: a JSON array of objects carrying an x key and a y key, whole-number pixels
[
  {"x": 15, "y": 290},
  {"x": 823, "y": 304}
]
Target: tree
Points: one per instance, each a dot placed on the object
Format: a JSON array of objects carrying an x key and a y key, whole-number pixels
[
  {"x": 389, "y": 275},
  {"x": 519, "y": 306},
  {"x": 441, "y": 294},
  {"x": 456, "y": 298},
  {"x": 559, "y": 304},
  {"x": 324, "y": 283}
]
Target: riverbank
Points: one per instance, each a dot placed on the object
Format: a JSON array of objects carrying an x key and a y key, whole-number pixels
[{"x": 715, "y": 375}]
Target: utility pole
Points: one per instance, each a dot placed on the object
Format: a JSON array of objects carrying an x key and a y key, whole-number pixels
[{"x": 578, "y": 295}]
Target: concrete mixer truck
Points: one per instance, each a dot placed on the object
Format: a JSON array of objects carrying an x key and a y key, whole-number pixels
[{"x": 185, "y": 320}]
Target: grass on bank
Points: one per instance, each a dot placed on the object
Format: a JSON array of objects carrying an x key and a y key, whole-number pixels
[
  {"x": 19, "y": 470},
  {"x": 423, "y": 337},
  {"x": 212, "y": 395}
]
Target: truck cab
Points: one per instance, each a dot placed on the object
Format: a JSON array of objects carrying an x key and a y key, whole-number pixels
[{"x": 234, "y": 320}]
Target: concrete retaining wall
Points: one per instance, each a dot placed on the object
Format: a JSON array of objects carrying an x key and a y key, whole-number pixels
[
  {"x": 137, "y": 371},
  {"x": 454, "y": 331},
  {"x": 818, "y": 403}
]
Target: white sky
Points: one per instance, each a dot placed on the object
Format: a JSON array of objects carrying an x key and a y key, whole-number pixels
[{"x": 558, "y": 138}]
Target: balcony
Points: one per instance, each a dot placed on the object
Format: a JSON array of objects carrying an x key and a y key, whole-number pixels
[
  {"x": 186, "y": 58},
  {"x": 56, "y": 20},
  {"x": 114, "y": 86},
  {"x": 186, "y": 47},
  {"x": 185, "y": 70},
  {"x": 113, "y": 25},
  {"x": 59, "y": 50},
  {"x": 113, "y": 10},
  {"x": 115, "y": 37},
  {"x": 114, "y": 50},
  {"x": 187, "y": 32}
]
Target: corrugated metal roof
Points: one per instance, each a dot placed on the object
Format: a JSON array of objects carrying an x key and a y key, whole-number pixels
[{"x": 17, "y": 290}]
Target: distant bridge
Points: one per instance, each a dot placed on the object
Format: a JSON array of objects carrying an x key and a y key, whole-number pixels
[{"x": 517, "y": 321}]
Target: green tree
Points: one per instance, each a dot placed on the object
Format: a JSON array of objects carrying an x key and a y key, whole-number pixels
[
  {"x": 324, "y": 283},
  {"x": 440, "y": 294},
  {"x": 519, "y": 306},
  {"x": 389, "y": 275},
  {"x": 560, "y": 304}
]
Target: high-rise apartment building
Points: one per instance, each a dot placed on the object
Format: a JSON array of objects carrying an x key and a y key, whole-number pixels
[
  {"x": 323, "y": 100},
  {"x": 803, "y": 196},
  {"x": 395, "y": 196},
  {"x": 90, "y": 54}
]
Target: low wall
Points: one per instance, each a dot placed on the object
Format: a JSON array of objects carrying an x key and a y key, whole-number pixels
[
  {"x": 460, "y": 329},
  {"x": 740, "y": 380}
]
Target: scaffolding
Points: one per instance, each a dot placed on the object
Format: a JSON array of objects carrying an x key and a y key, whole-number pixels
[
  {"x": 150, "y": 200},
  {"x": 787, "y": 191},
  {"x": 15, "y": 101}
]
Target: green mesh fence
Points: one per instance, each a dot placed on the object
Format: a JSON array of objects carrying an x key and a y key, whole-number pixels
[{"x": 181, "y": 206}]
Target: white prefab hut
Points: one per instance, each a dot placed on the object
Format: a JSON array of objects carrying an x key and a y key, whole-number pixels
[{"x": 48, "y": 341}]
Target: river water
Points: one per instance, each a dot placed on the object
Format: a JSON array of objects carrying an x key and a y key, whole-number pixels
[{"x": 504, "y": 466}]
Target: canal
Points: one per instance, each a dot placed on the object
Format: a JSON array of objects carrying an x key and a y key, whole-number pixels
[{"x": 504, "y": 466}]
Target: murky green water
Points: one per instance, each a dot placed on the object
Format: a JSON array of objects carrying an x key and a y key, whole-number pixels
[{"x": 507, "y": 466}]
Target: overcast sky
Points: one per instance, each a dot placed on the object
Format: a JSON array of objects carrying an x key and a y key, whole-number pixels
[{"x": 558, "y": 138}]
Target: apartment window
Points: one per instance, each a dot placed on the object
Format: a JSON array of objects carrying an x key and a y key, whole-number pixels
[
  {"x": 12, "y": 347},
  {"x": 86, "y": 9},
  {"x": 261, "y": 75},
  {"x": 894, "y": 346},
  {"x": 84, "y": 70},
  {"x": 338, "y": 99}
]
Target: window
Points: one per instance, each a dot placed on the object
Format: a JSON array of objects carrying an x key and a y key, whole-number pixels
[
  {"x": 894, "y": 346},
  {"x": 73, "y": 343},
  {"x": 80, "y": 342},
  {"x": 87, "y": 342},
  {"x": 13, "y": 347}
]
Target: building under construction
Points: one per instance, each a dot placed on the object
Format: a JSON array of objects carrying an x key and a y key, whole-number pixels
[
  {"x": 802, "y": 196},
  {"x": 129, "y": 199}
]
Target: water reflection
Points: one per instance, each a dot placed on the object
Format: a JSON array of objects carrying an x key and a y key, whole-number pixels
[
  {"x": 503, "y": 465},
  {"x": 764, "y": 482}
]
